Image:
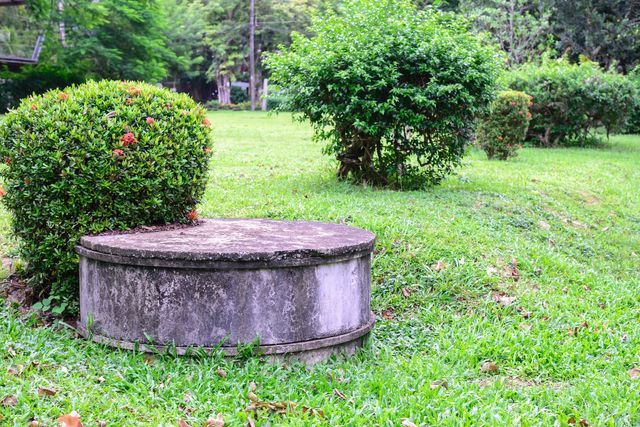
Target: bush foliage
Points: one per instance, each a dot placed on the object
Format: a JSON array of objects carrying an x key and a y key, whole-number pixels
[
  {"x": 571, "y": 101},
  {"x": 503, "y": 129},
  {"x": 95, "y": 157},
  {"x": 633, "y": 122},
  {"x": 393, "y": 90}
]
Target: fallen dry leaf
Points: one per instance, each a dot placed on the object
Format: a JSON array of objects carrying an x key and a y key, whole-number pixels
[
  {"x": 491, "y": 271},
  {"x": 439, "y": 266},
  {"x": 188, "y": 397},
  {"x": 47, "y": 391},
  {"x": 438, "y": 384},
  {"x": 513, "y": 270},
  {"x": 544, "y": 225},
  {"x": 502, "y": 298},
  {"x": 387, "y": 314},
  {"x": 251, "y": 423},
  {"x": 489, "y": 367},
  {"x": 578, "y": 224},
  {"x": 313, "y": 411},
  {"x": 183, "y": 423},
  {"x": 408, "y": 423},
  {"x": 16, "y": 370},
  {"x": 406, "y": 293},
  {"x": 218, "y": 421},
  {"x": 274, "y": 407},
  {"x": 340, "y": 394},
  {"x": 100, "y": 379},
  {"x": 634, "y": 373},
  {"x": 102, "y": 424},
  {"x": 9, "y": 401},
  {"x": 11, "y": 351},
  {"x": 70, "y": 420},
  {"x": 221, "y": 373},
  {"x": 525, "y": 326}
]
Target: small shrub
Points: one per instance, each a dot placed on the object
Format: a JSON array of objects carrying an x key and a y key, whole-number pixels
[
  {"x": 503, "y": 129},
  {"x": 571, "y": 101},
  {"x": 393, "y": 90},
  {"x": 633, "y": 122},
  {"x": 238, "y": 95},
  {"x": 95, "y": 157}
]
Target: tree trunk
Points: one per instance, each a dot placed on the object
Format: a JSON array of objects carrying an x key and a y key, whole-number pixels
[{"x": 224, "y": 88}]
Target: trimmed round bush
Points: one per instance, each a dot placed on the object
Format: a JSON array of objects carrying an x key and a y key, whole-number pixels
[
  {"x": 572, "y": 101},
  {"x": 95, "y": 157},
  {"x": 392, "y": 90},
  {"x": 503, "y": 129}
]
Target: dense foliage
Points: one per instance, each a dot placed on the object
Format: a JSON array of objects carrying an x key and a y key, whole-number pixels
[
  {"x": 503, "y": 129},
  {"x": 633, "y": 123},
  {"x": 391, "y": 89},
  {"x": 571, "y": 101},
  {"x": 96, "y": 157}
]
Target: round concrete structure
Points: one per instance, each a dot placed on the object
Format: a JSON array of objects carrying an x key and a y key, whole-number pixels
[{"x": 302, "y": 288}]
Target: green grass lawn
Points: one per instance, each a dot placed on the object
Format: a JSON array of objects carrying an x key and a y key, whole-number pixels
[{"x": 564, "y": 337}]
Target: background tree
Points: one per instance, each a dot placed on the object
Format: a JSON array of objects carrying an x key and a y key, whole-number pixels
[
  {"x": 605, "y": 31},
  {"x": 520, "y": 27}
]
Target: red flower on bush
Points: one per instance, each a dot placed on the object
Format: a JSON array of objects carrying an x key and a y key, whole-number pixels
[
  {"x": 63, "y": 96},
  {"x": 206, "y": 122},
  {"x": 2, "y": 192},
  {"x": 207, "y": 150},
  {"x": 150, "y": 120},
  {"x": 529, "y": 115},
  {"x": 7, "y": 160},
  {"x": 34, "y": 107},
  {"x": 118, "y": 152},
  {"x": 27, "y": 181},
  {"x": 192, "y": 215},
  {"x": 128, "y": 139}
]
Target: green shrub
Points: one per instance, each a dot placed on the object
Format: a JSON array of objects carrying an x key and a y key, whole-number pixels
[
  {"x": 571, "y": 101},
  {"x": 238, "y": 95},
  {"x": 214, "y": 105},
  {"x": 95, "y": 157},
  {"x": 503, "y": 129},
  {"x": 393, "y": 90},
  {"x": 633, "y": 122}
]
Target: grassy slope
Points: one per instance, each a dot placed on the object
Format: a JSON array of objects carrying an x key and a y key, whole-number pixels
[{"x": 579, "y": 275}]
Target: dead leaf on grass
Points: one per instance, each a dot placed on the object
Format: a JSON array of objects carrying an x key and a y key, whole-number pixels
[
  {"x": 340, "y": 394},
  {"x": 489, "y": 367},
  {"x": 408, "y": 423},
  {"x": 438, "y": 384},
  {"x": 634, "y": 373},
  {"x": 9, "y": 401},
  {"x": 218, "y": 421},
  {"x": 183, "y": 423},
  {"x": 221, "y": 373},
  {"x": 47, "y": 391},
  {"x": 16, "y": 370},
  {"x": 11, "y": 352},
  {"x": 387, "y": 314},
  {"x": 439, "y": 266},
  {"x": 313, "y": 412},
  {"x": 70, "y": 420},
  {"x": 502, "y": 298},
  {"x": 406, "y": 293},
  {"x": 544, "y": 225}
]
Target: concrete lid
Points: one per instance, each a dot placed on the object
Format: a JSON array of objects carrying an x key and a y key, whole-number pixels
[{"x": 239, "y": 240}]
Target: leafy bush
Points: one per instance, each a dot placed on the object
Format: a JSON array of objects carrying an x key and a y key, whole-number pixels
[
  {"x": 393, "y": 90},
  {"x": 633, "y": 122},
  {"x": 17, "y": 85},
  {"x": 216, "y": 106},
  {"x": 99, "y": 156},
  {"x": 503, "y": 129},
  {"x": 570, "y": 101},
  {"x": 238, "y": 95}
]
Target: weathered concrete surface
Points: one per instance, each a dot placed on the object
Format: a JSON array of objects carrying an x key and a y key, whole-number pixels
[{"x": 303, "y": 288}]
